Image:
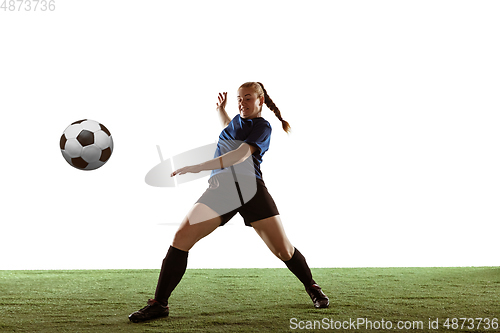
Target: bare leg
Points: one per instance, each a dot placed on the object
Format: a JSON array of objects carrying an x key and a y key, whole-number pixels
[
  {"x": 199, "y": 222},
  {"x": 273, "y": 234},
  {"x": 175, "y": 263}
]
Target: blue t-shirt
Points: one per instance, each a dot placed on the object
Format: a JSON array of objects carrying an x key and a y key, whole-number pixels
[{"x": 255, "y": 132}]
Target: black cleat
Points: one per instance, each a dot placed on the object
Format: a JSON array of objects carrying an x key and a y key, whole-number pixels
[
  {"x": 318, "y": 297},
  {"x": 151, "y": 311}
]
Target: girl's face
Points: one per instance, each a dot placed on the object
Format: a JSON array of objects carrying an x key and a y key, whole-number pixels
[{"x": 249, "y": 104}]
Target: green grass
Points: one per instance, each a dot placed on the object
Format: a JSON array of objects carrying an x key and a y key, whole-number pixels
[{"x": 243, "y": 300}]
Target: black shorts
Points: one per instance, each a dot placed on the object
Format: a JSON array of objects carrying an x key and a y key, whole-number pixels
[{"x": 227, "y": 197}]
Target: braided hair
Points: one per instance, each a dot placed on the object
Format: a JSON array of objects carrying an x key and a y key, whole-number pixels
[{"x": 260, "y": 90}]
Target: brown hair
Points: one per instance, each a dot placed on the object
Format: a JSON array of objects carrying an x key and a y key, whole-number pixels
[{"x": 260, "y": 90}]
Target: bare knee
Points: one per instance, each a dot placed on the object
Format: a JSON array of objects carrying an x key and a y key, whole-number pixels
[
  {"x": 189, "y": 234},
  {"x": 182, "y": 241},
  {"x": 285, "y": 253}
]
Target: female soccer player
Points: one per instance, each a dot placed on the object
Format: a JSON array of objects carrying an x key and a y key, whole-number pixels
[{"x": 252, "y": 133}]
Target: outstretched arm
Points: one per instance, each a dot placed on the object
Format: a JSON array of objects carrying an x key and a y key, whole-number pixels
[
  {"x": 233, "y": 157},
  {"x": 221, "y": 109}
]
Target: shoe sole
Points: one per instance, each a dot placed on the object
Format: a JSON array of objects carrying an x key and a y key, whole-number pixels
[{"x": 144, "y": 320}]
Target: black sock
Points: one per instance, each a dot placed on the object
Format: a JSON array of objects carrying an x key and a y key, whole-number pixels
[
  {"x": 173, "y": 268},
  {"x": 298, "y": 266}
]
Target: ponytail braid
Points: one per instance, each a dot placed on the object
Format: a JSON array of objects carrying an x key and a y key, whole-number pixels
[{"x": 270, "y": 104}]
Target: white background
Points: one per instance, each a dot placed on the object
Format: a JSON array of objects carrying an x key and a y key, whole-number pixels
[{"x": 394, "y": 106}]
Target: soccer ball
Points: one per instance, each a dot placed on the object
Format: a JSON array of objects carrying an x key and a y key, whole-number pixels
[{"x": 86, "y": 144}]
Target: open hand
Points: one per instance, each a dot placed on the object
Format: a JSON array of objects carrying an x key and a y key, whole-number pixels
[{"x": 222, "y": 101}]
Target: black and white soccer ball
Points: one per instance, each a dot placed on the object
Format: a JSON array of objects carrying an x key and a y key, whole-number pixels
[{"x": 86, "y": 144}]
